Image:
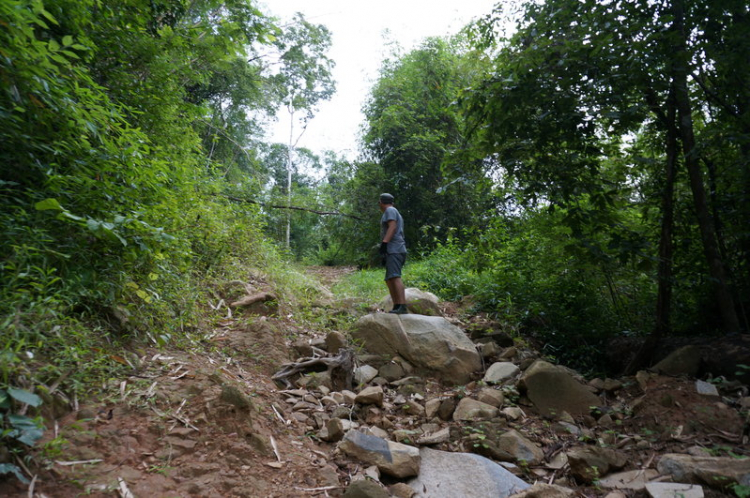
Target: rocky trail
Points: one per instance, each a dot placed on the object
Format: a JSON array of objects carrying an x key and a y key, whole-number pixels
[{"x": 368, "y": 414}]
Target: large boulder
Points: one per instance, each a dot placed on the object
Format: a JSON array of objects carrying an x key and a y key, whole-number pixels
[
  {"x": 554, "y": 391},
  {"x": 450, "y": 475},
  {"x": 717, "y": 472},
  {"x": 430, "y": 343},
  {"x": 417, "y": 301},
  {"x": 684, "y": 361},
  {"x": 593, "y": 462}
]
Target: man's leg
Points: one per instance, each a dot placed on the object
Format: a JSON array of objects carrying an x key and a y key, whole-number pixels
[
  {"x": 394, "y": 263},
  {"x": 399, "y": 291},
  {"x": 393, "y": 290}
]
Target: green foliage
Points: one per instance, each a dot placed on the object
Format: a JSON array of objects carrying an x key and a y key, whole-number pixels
[
  {"x": 414, "y": 132},
  {"x": 15, "y": 428},
  {"x": 126, "y": 129},
  {"x": 741, "y": 490},
  {"x": 579, "y": 112},
  {"x": 533, "y": 276},
  {"x": 366, "y": 286}
]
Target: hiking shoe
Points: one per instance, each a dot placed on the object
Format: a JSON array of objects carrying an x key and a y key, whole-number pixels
[{"x": 399, "y": 310}]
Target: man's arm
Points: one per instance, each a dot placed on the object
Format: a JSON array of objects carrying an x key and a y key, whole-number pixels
[{"x": 392, "y": 225}]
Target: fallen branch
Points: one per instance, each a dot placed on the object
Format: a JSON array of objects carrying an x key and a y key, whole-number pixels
[
  {"x": 341, "y": 368},
  {"x": 275, "y": 449},
  {"x": 31, "y": 487},
  {"x": 78, "y": 462},
  {"x": 124, "y": 490}
]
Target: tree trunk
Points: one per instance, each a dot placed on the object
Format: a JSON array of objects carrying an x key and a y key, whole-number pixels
[
  {"x": 687, "y": 137},
  {"x": 662, "y": 324},
  {"x": 289, "y": 178}
]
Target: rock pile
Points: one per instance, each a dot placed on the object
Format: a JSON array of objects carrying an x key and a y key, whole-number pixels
[{"x": 426, "y": 419}]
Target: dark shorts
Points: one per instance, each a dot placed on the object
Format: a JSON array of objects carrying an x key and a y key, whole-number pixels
[{"x": 393, "y": 264}]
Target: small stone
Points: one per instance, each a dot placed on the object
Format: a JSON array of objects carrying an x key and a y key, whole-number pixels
[
  {"x": 612, "y": 385},
  {"x": 431, "y": 408},
  {"x": 370, "y": 396},
  {"x": 489, "y": 349},
  {"x": 401, "y": 490},
  {"x": 437, "y": 437},
  {"x": 300, "y": 417},
  {"x": 446, "y": 409},
  {"x": 328, "y": 476},
  {"x": 597, "y": 384},
  {"x": 349, "y": 397},
  {"x": 365, "y": 374},
  {"x": 513, "y": 413},
  {"x": 471, "y": 409},
  {"x": 509, "y": 354},
  {"x": 335, "y": 341},
  {"x": 706, "y": 388},
  {"x": 341, "y": 412},
  {"x": 334, "y": 430},
  {"x": 365, "y": 488},
  {"x": 392, "y": 371},
  {"x": 606, "y": 420},
  {"x": 563, "y": 428},
  {"x": 373, "y": 472},
  {"x": 633, "y": 479},
  {"x": 414, "y": 408},
  {"x": 329, "y": 401},
  {"x": 491, "y": 396},
  {"x": 500, "y": 372},
  {"x": 674, "y": 490},
  {"x": 377, "y": 432}
]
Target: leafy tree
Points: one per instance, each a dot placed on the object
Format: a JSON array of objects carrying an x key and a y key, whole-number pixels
[
  {"x": 414, "y": 132},
  {"x": 575, "y": 79},
  {"x": 302, "y": 80}
]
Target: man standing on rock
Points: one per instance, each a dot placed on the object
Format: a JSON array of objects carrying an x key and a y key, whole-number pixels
[{"x": 393, "y": 251}]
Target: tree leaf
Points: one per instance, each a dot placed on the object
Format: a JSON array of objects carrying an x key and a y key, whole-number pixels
[
  {"x": 24, "y": 396},
  {"x": 26, "y": 430},
  {"x": 48, "y": 204},
  {"x": 8, "y": 468}
]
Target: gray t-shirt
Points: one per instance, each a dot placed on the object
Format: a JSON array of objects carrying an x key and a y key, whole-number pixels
[{"x": 397, "y": 243}]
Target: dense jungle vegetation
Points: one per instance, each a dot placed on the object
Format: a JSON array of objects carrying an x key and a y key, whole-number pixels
[{"x": 583, "y": 176}]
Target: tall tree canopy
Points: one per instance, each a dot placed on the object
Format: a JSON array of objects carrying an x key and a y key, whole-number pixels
[
  {"x": 414, "y": 128},
  {"x": 579, "y": 80}
]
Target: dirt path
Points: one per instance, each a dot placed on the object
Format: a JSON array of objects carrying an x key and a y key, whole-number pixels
[{"x": 330, "y": 275}]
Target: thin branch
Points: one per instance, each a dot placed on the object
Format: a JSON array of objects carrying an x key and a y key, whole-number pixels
[
  {"x": 277, "y": 206},
  {"x": 227, "y": 137},
  {"x": 713, "y": 95}
]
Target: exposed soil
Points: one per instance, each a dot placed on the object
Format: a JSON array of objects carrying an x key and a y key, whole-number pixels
[{"x": 210, "y": 423}]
